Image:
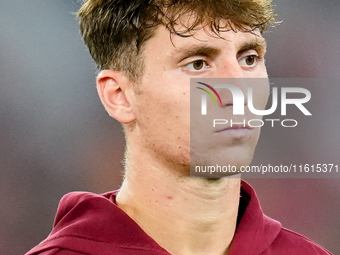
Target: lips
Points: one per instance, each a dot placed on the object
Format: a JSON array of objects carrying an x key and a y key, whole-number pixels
[
  {"x": 235, "y": 126},
  {"x": 235, "y": 130}
]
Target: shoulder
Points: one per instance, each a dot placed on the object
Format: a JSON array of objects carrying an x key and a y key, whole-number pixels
[
  {"x": 74, "y": 198},
  {"x": 290, "y": 242},
  {"x": 88, "y": 223},
  {"x": 57, "y": 251},
  {"x": 264, "y": 235}
]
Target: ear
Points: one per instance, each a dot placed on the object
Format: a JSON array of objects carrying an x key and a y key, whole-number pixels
[{"x": 113, "y": 89}]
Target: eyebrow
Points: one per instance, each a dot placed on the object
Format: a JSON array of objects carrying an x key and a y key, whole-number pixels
[
  {"x": 260, "y": 45},
  {"x": 196, "y": 50},
  {"x": 202, "y": 50}
]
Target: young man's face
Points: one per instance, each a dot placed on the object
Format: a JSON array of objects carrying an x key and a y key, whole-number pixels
[{"x": 162, "y": 101}]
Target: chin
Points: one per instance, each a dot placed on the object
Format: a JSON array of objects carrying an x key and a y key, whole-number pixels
[{"x": 225, "y": 162}]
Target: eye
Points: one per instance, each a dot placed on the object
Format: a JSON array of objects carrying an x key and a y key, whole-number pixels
[
  {"x": 197, "y": 65},
  {"x": 250, "y": 61}
]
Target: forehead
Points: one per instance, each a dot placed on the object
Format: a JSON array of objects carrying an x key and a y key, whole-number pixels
[{"x": 206, "y": 41}]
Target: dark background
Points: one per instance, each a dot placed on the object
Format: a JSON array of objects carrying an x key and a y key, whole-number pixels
[{"x": 55, "y": 136}]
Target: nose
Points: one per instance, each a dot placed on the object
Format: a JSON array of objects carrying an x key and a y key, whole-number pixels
[
  {"x": 232, "y": 74},
  {"x": 231, "y": 69}
]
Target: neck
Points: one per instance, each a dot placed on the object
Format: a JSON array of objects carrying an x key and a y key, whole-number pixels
[{"x": 183, "y": 215}]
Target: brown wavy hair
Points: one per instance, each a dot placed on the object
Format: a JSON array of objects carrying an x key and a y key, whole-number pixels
[{"x": 116, "y": 30}]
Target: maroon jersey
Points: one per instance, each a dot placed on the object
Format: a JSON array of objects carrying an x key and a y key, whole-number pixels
[{"x": 93, "y": 224}]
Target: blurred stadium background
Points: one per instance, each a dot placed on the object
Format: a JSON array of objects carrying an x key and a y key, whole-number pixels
[{"x": 55, "y": 136}]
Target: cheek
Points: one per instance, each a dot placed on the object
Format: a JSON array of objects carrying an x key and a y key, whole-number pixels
[
  {"x": 163, "y": 116},
  {"x": 260, "y": 96},
  {"x": 164, "y": 125}
]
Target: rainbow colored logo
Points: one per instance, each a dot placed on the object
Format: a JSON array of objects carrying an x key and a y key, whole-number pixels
[{"x": 213, "y": 90}]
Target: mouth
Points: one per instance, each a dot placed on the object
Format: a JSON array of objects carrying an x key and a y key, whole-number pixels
[{"x": 235, "y": 131}]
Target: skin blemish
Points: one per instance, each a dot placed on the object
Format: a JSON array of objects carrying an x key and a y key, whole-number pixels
[
  {"x": 178, "y": 138},
  {"x": 169, "y": 197}
]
